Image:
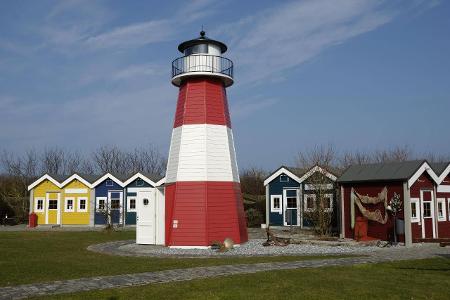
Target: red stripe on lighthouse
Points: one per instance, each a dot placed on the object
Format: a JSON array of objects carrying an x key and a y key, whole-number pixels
[
  {"x": 200, "y": 213},
  {"x": 202, "y": 101}
]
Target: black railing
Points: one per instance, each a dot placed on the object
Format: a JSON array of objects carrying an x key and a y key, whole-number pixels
[{"x": 202, "y": 63}]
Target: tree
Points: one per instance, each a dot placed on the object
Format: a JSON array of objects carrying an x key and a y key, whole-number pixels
[
  {"x": 322, "y": 155},
  {"x": 14, "y": 186},
  {"x": 110, "y": 159},
  {"x": 319, "y": 203},
  {"x": 252, "y": 187}
]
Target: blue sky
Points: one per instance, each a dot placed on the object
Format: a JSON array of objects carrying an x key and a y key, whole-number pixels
[{"x": 361, "y": 75}]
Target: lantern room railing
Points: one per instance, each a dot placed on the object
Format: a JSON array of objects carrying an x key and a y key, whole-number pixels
[{"x": 202, "y": 63}]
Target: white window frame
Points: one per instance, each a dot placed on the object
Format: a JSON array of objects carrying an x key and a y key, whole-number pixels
[
  {"x": 129, "y": 209},
  {"x": 97, "y": 202},
  {"x": 36, "y": 199},
  {"x": 444, "y": 209},
  {"x": 110, "y": 200},
  {"x": 66, "y": 199},
  {"x": 448, "y": 209},
  {"x": 85, "y": 204},
  {"x": 284, "y": 175},
  {"x": 418, "y": 211},
  {"x": 305, "y": 202},
  {"x": 312, "y": 187},
  {"x": 272, "y": 207},
  {"x": 109, "y": 180},
  {"x": 330, "y": 196}
]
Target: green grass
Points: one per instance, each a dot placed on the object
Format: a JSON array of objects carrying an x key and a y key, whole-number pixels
[
  {"x": 27, "y": 257},
  {"x": 420, "y": 279}
]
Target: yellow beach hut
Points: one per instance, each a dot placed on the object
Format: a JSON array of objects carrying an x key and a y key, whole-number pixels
[{"x": 62, "y": 200}]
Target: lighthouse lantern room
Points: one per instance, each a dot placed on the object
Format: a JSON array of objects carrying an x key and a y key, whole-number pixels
[{"x": 202, "y": 190}]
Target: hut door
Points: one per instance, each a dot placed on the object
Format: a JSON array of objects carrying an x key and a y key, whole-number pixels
[
  {"x": 146, "y": 218},
  {"x": 291, "y": 213},
  {"x": 427, "y": 217}
]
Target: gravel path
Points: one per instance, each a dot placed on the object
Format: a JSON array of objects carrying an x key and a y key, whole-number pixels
[{"x": 253, "y": 247}]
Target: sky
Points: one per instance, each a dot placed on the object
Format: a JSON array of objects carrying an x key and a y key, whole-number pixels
[{"x": 361, "y": 75}]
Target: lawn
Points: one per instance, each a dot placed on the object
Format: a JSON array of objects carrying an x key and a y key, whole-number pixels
[
  {"x": 28, "y": 257},
  {"x": 420, "y": 279}
]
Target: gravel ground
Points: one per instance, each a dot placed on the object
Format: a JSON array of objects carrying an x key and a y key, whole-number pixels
[{"x": 251, "y": 248}]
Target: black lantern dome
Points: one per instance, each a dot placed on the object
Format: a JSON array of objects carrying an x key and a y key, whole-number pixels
[{"x": 188, "y": 47}]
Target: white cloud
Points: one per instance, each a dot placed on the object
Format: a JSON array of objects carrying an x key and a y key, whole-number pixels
[
  {"x": 153, "y": 31},
  {"x": 134, "y": 35},
  {"x": 278, "y": 39}
]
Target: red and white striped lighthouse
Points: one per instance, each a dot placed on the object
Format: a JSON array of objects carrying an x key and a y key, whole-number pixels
[{"x": 203, "y": 195}]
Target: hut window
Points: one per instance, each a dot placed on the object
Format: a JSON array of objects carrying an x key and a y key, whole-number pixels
[
  {"x": 139, "y": 182},
  {"x": 328, "y": 202},
  {"x": 52, "y": 204},
  {"x": 415, "y": 210},
  {"x": 132, "y": 204},
  {"x": 109, "y": 182},
  {"x": 284, "y": 178},
  {"x": 291, "y": 202},
  {"x": 82, "y": 204},
  {"x": 448, "y": 210},
  {"x": 69, "y": 204},
  {"x": 115, "y": 203},
  {"x": 101, "y": 203},
  {"x": 441, "y": 209},
  {"x": 310, "y": 202},
  {"x": 275, "y": 203},
  {"x": 427, "y": 209},
  {"x": 39, "y": 204}
]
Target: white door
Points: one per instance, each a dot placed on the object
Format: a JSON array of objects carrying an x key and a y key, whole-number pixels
[
  {"x": 145, "y": 218},
  {"x": 427, "y": 215},
  {"x": 291, "y": 205}
]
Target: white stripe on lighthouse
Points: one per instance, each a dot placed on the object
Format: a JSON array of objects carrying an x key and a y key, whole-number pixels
[{"x": 202, "y": 152}]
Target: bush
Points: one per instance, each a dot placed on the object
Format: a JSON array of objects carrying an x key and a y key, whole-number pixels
[{"x": 254, "y": 217}]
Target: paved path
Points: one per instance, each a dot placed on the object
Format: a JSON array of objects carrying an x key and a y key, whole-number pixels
[{"x": 127, "y": 280}]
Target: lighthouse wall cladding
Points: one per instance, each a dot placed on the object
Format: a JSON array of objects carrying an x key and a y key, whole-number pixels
[{"x": 203, "y": 195}]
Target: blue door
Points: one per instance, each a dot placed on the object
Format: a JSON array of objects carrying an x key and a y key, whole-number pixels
[{"x": 291, "y": 207}]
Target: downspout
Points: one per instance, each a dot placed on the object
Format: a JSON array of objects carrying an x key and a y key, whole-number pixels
[
  {"x": 31, "y": 201},
  {"x": 92, "y": 207},
  {"x": 342, "y": 221},
  {"x": 300, "y": 205},
  {"x": 407, "y": 214},
  {"x": 267, "y": 206},
  {"x": 436, "y": 216}
]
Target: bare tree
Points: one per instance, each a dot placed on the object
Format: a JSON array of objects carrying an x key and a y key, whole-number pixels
[
  {"x": 148, "y": 160},
  {"x": 53, "y": 160},
  {"x": 13, "y": 188},
  {"x": 252, "y": 187},
  {"x": 110, "y": 159},
  {"x": 252, "y": 181},
  {"x": 323, "y": 155},
  {"x": 354, "y": 158},
  {"x": 319, "y": 204},
  {"x": 436, "y": 158},
  {"x": 396, "y": 154}
]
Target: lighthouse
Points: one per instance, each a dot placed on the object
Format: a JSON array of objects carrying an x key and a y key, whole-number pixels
[{"x": 203, "y": 200}]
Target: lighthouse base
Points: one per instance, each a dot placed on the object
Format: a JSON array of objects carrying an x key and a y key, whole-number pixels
[{"x": 202, "y": 213}]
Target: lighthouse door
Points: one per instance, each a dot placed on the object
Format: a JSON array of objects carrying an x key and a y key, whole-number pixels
[{"x": 145, "y": 218}]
